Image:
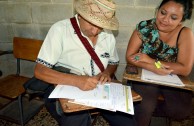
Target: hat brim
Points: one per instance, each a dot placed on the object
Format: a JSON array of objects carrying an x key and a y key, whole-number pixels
[{"x": 111, "y": 24}]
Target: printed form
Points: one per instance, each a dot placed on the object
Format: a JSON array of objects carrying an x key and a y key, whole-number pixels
[{"x": 110, "y": 96}]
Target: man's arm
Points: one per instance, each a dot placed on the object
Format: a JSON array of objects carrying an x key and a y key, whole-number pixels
[{"x": 54, "y": 77}]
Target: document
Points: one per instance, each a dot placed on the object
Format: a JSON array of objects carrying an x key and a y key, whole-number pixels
[
  {"x": 109, "y": 96},
  {"x": 122, "y": 98},
  {"x": 168, "y": 80},
  {"x": 72, "y": 92}
]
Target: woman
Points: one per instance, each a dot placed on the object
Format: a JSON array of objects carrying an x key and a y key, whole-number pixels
[{"x": 163, "y": 39}]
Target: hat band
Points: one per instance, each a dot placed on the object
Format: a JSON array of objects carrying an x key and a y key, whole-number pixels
[{"x": 104, "y": 5}]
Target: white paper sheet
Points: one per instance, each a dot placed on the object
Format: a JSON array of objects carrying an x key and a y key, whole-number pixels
[
  {"x": 120, "y": 100},
  {"x": 123, "y": 100},
  {"x": 112, "y": 96},
  {"x": 168, "y": 80},
  {"x": 71, "y": 92}
]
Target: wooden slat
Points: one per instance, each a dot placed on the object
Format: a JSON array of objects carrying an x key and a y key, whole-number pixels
[
  {"x": 27, "y": 49},
  {"x": 69, "y": 107},
  {"x": 11, "y": 86}
]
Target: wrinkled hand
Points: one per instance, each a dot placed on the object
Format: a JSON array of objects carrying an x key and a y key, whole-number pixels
[
  {"x": 104, "y": 77},
  {"x": 87, "y": 82},
  {"x": 141, "y": 57}
]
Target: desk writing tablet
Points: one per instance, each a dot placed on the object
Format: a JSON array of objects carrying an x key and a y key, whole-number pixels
[{"x": 137, "y": 77}]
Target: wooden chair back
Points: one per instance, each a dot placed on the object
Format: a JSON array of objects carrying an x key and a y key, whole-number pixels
[
  {"x": 25, "y": 48},
  {"x": 11, "y": 86}
]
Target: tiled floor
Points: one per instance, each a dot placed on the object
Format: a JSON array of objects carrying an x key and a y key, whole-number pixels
[{"x": 12, "y": 113}]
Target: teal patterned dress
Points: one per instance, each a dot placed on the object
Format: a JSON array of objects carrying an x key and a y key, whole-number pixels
[{"x": 152, "y": 45}]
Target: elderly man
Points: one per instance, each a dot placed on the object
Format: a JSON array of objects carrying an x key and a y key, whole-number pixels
[{"x": 63, "y": 47}]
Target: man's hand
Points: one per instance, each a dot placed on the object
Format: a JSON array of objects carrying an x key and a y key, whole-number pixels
[
  {"x": 87, "y": 83},
  {"x": 104, "y": 77}
]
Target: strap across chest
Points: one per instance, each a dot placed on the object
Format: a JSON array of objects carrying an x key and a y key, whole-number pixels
[{"x": 86, "y": 44}]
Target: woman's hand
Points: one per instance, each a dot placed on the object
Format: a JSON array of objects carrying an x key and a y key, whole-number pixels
[
  {"x": 144, "y": 58},
  {"x": 164, "y": 70},
  {"x": 141, "y": 57}
]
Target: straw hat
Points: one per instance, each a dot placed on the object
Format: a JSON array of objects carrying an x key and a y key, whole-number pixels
[{"x": 98, "y": 12}]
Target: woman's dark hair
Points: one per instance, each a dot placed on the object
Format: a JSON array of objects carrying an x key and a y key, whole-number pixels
[{"x": 187, "y": 5}]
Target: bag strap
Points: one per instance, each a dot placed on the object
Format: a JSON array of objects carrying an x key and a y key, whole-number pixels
[{"x": 87, "y": 44}]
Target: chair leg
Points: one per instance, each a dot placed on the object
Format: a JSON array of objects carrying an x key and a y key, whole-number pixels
[
  {"x": 1, "y": 73},
  {"x": 21, "y": 110},
  {"x": 168, "y": 122}
]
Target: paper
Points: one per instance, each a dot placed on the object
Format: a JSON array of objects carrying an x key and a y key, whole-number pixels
[
  {"x": 123, "y": 100},
  {"x": 71, "y": 92},
  {"x": 110, "y": 96},
  {"x": 168, "y": 80}
]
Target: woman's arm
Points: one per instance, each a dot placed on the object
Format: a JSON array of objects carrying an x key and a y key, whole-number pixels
[
  {"x": 133, "y": 47},
  {"x": 144, "y": 61},
  {"x": 184, "y": 63},
  {"x": 133, "y": 50}
]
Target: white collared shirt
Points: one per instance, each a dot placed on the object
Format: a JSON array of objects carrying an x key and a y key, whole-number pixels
[{"x": 62, "y": 47}]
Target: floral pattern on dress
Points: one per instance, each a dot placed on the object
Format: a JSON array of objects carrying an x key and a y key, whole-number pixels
[{"x": 152, "y": 45}]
